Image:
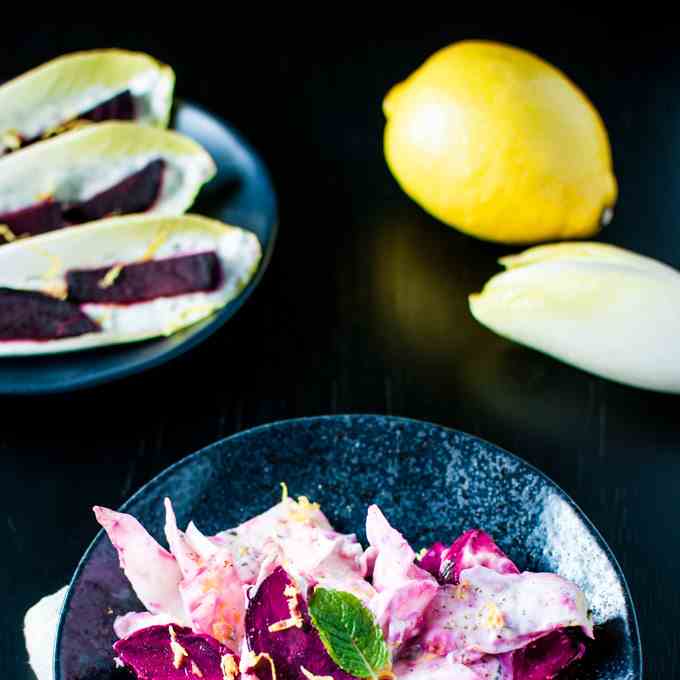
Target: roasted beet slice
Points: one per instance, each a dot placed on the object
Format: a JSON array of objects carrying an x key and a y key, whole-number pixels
[
  {"x": 35, "y": 219},
  {"x": 119, "y": 107},
  {"x": 271, "y": 618},
  {"x": 175, "y": 653},
  {"x": 136, "y": 193},
  {"x": 545, "y": 658},
  {"x": 29, "y": 315},
  {"x": 143, "y": 281}
]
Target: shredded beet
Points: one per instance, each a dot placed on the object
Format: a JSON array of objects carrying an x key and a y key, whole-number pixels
[
  {"x": 143, "y": 281},
  {"x": 136, "y": 193},
  {"x": 174, "y": 653},
  {"x": 29, "y": 315}
]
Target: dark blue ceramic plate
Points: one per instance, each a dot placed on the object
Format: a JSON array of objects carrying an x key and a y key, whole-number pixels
[
  {"x": 241, "y": 193},
  {"x": 431, "y": 482}
]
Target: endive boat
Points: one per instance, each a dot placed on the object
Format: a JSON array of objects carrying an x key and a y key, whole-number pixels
[
  {"x": 100, "y": 170},
  {"x": 84, "y": 86},
  {"x": 119, "y": 280},
  {"x": 601, "y": 308}
]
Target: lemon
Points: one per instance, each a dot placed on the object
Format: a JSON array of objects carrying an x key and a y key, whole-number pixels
[{"x": 498, "y": 143}]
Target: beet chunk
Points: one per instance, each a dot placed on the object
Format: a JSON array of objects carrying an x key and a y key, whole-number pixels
[
  {"x": 290, "y": 647},
  {"x": 545, "y": 658},
  {"x": 136, "y": 193},
  {"x": 119, "y": 107},
  {"x": 29, "y": 315},
  {"x": 143, "y": 281},
  {"x": 151, "y": 654},
  {"x": 33, "y": 220}
]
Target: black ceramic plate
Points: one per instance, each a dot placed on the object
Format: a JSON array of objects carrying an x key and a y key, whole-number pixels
[
  {"x": 241, "y": 193},
  {"x": 431, "y": 482}
]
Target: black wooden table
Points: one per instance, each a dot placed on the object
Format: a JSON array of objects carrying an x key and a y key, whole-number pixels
[{"x": 364, "y": 307}]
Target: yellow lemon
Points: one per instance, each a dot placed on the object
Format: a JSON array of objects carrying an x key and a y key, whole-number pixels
[{"x": 500, "y": 144}]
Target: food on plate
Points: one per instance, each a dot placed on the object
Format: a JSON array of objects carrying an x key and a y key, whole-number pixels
[
  {"x": 80, "y": 88},
  {"x": 284, "y": 596},
  {"x": 496, "y": 142},
  {"x": 601, "y": 308},
  {"x": 107, "y": 169},
  {"x": 119, "y": 280}
]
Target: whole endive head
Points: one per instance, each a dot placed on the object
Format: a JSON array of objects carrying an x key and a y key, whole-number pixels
[{"x": 598, "y": 307}]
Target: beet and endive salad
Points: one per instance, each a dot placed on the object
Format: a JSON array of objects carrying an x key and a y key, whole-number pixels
[
  {"x": 119, "y": 280},
  {"x": 284, "y": 596}
]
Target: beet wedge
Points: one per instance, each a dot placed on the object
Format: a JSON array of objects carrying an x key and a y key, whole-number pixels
[
  {"x": 132, "y": 277},
  {"x": 84, "y": 86},
  {"x": 102, "y": 170}
]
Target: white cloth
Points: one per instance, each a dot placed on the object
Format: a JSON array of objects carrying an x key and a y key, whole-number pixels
[{"x": 40, "y": 632}]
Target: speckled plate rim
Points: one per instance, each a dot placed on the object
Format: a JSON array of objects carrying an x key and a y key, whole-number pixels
[
  {"x": 161, "y": 476},
  {"x": 210, "y": 325}
]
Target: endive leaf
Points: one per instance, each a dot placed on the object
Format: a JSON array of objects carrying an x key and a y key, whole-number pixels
[
  {"x": 78, "y": 165},
  {"x": 42, "y": 264},
  {"x": 601, "y": 308},
  {"x": 63, "y": 88}
]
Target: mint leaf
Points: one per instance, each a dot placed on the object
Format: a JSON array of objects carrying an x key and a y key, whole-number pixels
[{"x": 349, "y": 633}]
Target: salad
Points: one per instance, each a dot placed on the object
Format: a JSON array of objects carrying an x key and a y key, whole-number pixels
[{"x": 284, "y": 596}]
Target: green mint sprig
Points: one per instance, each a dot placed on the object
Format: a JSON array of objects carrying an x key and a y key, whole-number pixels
[{"x": 349, "y": 633}]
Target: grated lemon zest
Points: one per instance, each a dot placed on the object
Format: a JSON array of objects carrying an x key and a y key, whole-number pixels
[
  {"x": 11, "y": 139},
  {"x": 304, "y": 509},
  {"x": 291, "y": 593},
  {"x": 228, "y": 667},
  {"x": 178, "y": 651},
  {"x": 110, "y": 277},
  {"x": 156, "y": 242},
  {"x": 284, "y": 492},
  {"x": 494, "y": 617},
  {"x": 310, "y": 676},
  {"x": 7, "y": 233},
  {"x": 253, "y": 659},
  {"x": 60, "y": 128}
]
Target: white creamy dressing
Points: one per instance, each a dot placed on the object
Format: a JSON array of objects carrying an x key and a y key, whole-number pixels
[{"x": 495, "y": 613}]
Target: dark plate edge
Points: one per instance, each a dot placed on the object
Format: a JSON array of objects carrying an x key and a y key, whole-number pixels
[{"x": 635, "y": 629}]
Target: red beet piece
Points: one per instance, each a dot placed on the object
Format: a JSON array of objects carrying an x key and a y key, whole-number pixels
[
  {"x": 119, "y": 107},
  {"x": 431, "y": 561},
  {"x": 291, "y": 647},
  {"x": 149, "y": 653},
  {"x": 475, "y": 548},
  {"x": 29, "y": 315},
  {"x": 143, "y": 281},
  {"x": 136, "y": 193},
  {"x": 545, "y": 658},
  {"x": 35, "y": 219}
]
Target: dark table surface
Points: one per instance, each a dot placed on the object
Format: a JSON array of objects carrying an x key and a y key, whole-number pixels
[{"x": 364, "y": 307}]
